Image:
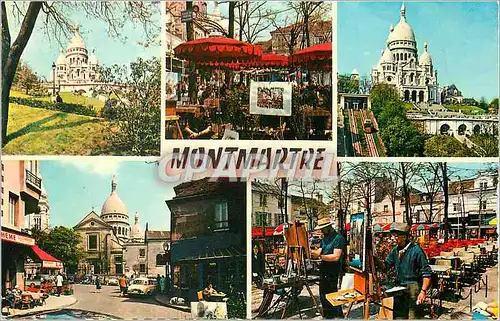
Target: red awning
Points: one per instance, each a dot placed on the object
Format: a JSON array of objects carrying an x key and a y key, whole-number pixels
[
  {"x": 48, "y": 261},
  {"x": 348, "y": 226},
  {"x": 257, "y": 231},
  {"x": 315, "y": 57},
  {"x": 217, "y": 49}
]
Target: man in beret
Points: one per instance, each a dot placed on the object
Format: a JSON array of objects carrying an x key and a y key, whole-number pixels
[
  {"x": 412, "y": 271},
  {"x": 331, "y": 254}
]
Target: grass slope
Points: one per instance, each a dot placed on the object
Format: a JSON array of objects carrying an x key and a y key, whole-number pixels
[
  {"x": 468, "y": 110},
  {"x": 35, "y": 131},
  {"x": 71, "y": 98}
]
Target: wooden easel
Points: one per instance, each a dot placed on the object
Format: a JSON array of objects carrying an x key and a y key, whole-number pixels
[{"x": 173, "y": 121}]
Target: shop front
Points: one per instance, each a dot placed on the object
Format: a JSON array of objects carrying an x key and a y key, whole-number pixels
[{"x": 16, "y": 246}]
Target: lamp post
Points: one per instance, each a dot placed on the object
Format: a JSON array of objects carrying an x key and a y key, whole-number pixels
[
  {"x": 53, "y": 78},
  {"x": 166, "y": 258}
]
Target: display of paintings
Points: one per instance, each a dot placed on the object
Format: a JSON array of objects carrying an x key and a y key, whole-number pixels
[{"x": 271, "y": 98}]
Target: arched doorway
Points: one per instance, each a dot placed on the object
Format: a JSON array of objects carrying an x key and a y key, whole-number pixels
[
  {"x": 444, "y": 129},
  {"x": 407, "y": 95},
  {"x": 461, "y": 129},
  {"x": 476, "y": 130},
  {"x": 420, "y": 96},
  {"x": 411, "y": 78},
  {"x": 414, "y": 96}
]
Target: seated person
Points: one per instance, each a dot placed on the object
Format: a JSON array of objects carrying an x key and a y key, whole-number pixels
[
  {"x": 11, "y": 297},
  {"x": 209, "y": 290}
]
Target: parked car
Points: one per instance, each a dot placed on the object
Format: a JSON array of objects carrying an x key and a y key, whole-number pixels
[
  {"x": 113, "y": 281},
  {"x": 142, "y": 286}
]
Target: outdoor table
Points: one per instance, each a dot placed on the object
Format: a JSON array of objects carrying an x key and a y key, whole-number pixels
[{"x": 216, "y": 297}]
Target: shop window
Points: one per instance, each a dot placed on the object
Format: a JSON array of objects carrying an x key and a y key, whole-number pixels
[
  {"x": 221, "y": 216},
  {"x": 142, "y": 252},
  {"x": 142, "y": 268},
  {"x": 92, "y": 242}
]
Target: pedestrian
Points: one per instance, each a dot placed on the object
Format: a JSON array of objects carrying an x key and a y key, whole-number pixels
[
  {"x": 158, "y": 281},
  {"x": 162, "y": 284},
  {"x": 412, "y": 271},
  {"x": 98, "y": 284},
  {"x": 59, "y": 283},
  {"x": 123, "y": 285},
  {"x": 331, "y": 254}
]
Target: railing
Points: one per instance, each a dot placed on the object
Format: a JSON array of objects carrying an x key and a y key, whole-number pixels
[{"x": 33, "y": 179}]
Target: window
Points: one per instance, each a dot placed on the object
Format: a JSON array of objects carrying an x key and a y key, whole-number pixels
[
  {"x": 279, "y": 218},
  {"x": 483, "y": 185},
  {"x": 483, "y": 205},
  {"x": 456, "y": 207},
  {"x": 92, "y": 242},
  {"x": 160, "y": 260},
  {"x": 142, "y": 252},
  {"x": 114, "y": 228},
  {"x": 386, "y": 208},
  {"x": 12, "y": 209},
  {"x": 263, "y": 219},
  {"x": 263, "y": 200},
  {"x": 221, "y": 217},
  {"x": 142, "y": 268}
]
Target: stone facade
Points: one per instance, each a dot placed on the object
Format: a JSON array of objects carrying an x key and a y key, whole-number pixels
[{"x": 414, "y": 77}]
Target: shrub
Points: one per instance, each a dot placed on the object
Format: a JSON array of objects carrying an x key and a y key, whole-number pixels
[{"x": 64, "y": 107}]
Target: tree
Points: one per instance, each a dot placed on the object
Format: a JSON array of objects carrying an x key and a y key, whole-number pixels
[
  {"x": 25, "y": 78},
  {"x": 494, "y": 105},
  {"x": 445, "y": 146},
  {"x": 401, "y": 138},
  {"x": 347, "y": 85},
  {"x": 62, "y": 243},
  {"x": 252, "y": 20},
  {"x": 56, "y": 22},
  {"x": 428, "y": 177},
  {"x": 486, "y": 145},
  {"x": 342, "y": 194},
  {"x": 137, "y": 123},
  {"x": 483, "y": 104},
  {"x": 393, "y": 187},
  {"x": 312, "y": 207},
  {"x": 385, "y": 97},
  {"x": 446, "y": 196},
  {"x": 407, "y": 173}
]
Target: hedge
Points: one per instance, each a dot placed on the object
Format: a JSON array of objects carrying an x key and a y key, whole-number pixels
[{"x": 64, "y": 107}]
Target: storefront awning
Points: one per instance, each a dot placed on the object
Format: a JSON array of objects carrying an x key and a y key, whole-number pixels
[
  {"x": 259, "y": 231},
  {"x": 227, "y": 253},
  {"x": 17, "y": 237},
  {"x": 48, "y": 261}
]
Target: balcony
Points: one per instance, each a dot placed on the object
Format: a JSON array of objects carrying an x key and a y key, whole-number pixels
[{"x": 33, "y": 180}]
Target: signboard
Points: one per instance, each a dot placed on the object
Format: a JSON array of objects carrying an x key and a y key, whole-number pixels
[
  {"x": 208, "y": 310},
  {"x": 52, "y": 265},
  {"x": 16, "y": 238},
  {"x": 172, "y": 79},
  {"x": 186, "y": 16},
  {"x": 271, "y": 98}
]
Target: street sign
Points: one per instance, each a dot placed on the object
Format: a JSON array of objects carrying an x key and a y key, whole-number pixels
[{"x": 186, "y": 16}]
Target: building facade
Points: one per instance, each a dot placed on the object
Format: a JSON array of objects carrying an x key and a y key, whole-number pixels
[
  {"x": 41, "y": 219},
  {"x": 75, "y": 68},
  {"x": 415, "y": 77},
  {"x": 266, "y": 206},
  {"x": 208, "y": 230},
  {"x": 320, "y": 31},
  {"x": 21, "y": 192}
]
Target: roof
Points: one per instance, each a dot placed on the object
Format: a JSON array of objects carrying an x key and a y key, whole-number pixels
[
  {"x": 158, "y": 235},
  {"x": 230, "y": 252},
  {"x": 92, "y": 216},
  {"x": 454, "y": 187},
  {"x": 200, "y": 187},
  {"x": 315, "y": 27},
  {"x": 267, "y": 46},
  {"x": 403, "y": 30}
]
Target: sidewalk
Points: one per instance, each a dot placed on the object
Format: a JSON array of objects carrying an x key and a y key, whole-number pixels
[
  {"x": 165, "y": 301},
  {"x": 52, "y": 303}
]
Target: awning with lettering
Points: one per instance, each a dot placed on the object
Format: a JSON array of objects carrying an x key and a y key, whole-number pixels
[
  {"x": 48, "y": 261},
  {"x": 12, "y": 236}
]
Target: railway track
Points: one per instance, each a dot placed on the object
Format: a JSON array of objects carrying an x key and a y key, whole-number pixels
[
  {"x": 353, "y": 128},
  {"x": 370, "y": 142}
]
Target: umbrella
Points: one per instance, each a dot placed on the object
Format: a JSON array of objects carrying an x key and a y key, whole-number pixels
[
  {"x": 317, "y": 56},
  {"x": 420, "y": 227},
  {"x": 217, "y": 49},
  {"x": 268, "y": 60},
  {"x": 377, "y": 227},
  {"x": 493, "y": 221}
]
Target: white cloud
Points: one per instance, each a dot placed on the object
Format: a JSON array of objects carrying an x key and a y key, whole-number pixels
[{"x": 106, "y": 166}]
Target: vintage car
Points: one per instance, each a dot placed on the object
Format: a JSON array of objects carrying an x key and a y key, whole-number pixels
[
  {"x": 113, "y": 281},
  {"x": 142, "y": 286}
]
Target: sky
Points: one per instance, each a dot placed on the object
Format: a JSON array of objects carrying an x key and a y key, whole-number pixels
[
  {"x": 41, "y": 51},
  {"x": 75, "y": 187},
  {"x": 462, "y": 40}
]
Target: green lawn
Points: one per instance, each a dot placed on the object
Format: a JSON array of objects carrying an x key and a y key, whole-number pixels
[
  {"x": 36, "y": 131},
  {"x": 468, "y": 110},
  {"x": 77, "y": 99}
]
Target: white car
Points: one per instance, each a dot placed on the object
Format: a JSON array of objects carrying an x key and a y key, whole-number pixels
[
  {"x": 113, "y": 281},
  {"x": 142, "y": 286}
]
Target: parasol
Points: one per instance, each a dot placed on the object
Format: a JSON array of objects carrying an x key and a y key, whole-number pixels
[
  {"x": 217, "y": 50},
  {"x": 315, "y": 57}
]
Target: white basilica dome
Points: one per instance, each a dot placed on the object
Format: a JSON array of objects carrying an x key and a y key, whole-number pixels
[{"x": 403, "y": 31}]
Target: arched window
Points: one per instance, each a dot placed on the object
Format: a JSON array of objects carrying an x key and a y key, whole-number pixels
[
  {"x": 406, "y": 56},
  {"x": 159, "y": 259},
  {"x": 119, "y": 230},
  {"x": 114, "y": 228}
]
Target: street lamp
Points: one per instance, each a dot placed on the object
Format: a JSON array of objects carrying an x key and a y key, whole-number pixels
[{"x": 53, "y": 78}]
